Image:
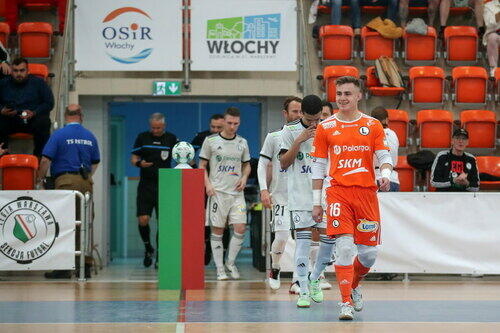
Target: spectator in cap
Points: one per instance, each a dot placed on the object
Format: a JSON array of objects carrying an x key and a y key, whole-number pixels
[{"x": 455, "y": 170}]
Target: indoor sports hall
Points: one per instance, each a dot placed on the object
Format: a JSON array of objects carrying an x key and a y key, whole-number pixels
[{"x": 115, "y": 209}]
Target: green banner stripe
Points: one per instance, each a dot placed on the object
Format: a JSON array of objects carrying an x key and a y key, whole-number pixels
[{"x": 170, "y": 229}]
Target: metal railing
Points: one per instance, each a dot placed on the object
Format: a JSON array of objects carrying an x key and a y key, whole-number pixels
[{"x": 66, "y": 69}]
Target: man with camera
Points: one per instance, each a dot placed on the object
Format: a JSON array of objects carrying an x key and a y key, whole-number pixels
[
  {"x": 25, "y": 105},
  {"x": 72, "y": 153}
]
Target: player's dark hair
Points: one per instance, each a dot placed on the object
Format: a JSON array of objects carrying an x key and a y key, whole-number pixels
[
  {"x": 19, "y": 61},
  {"x": 348, "y": 79},
  {"x": 216, "y": 116},
  {"x": 327, "y": 104},
  {"x": 232, "y": 111},
  {"x": 380, "y": 113},
  {"x": 289, "y": 100},
  {"x": 311, "y": 104}
]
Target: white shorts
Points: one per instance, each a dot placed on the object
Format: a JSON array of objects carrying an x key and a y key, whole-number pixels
[
  {"x": 280, "y": 219},
  {"x": 225, "y": 208},
  {"x": 301, "y": 219}
]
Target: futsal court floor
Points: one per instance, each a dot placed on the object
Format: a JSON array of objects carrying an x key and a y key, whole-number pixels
[{"x": 124, "y": 298}]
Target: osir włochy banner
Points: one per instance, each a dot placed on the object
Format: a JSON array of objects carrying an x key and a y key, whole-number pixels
[
  {"x": 118, "y": 35},
  {"x": 251, "y": 35},
  {"x": 37, "y": 230}
]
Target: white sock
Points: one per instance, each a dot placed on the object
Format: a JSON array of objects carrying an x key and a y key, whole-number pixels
[
  {"x": 313, "y": 254},
  {"x": 324, "y": 256},
  {"x": 302, "y": 247},
  {"x": 278, "y": 247},
  {"x": 217, "y": 249},
  {"x": 234, "y": 247}
]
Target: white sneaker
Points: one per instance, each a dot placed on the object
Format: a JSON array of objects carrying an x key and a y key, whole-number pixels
[
  {"x": 294, "y": 288},
  {"x": 357, "y": 299},
  {"x": 323, "y": 283},
  {"x": 221, "y": 274},
  {"x": 233, "y": 270},
  {"x": 346, "y": 311},
  {"x": 274, "y": 279}
]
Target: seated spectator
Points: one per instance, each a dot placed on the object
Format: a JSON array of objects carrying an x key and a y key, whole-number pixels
[
  {"x": 25, "y": 105},
  {"x": 455, "y": 170},
  {"x": 432, "y": 7},
  {"x": 327, "y": 109},
  {"x": 444, "y": 12},
  {"x": 382, "y": 115},
  {"x": 392, "y": 11},
  {"x": 2, "y": 151},
  {"x": 491, "y": 38}
]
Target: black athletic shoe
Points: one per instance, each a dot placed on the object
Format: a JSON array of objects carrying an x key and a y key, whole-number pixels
[
  {"x": 64, "y": 274},
  {"x": 148, "y": 258}
]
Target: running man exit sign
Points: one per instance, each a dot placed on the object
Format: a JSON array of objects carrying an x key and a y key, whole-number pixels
[{"x": 166, "y": 88}]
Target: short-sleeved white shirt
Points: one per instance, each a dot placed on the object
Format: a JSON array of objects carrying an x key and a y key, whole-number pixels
[
  {"x": 225, "y": 157},
  {"x": 299, "y": 173}
]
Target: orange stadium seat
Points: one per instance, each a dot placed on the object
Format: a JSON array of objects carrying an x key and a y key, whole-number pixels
[
  {"x": 470, "y": 86},
  {"x": 39, "y": 70},
  {"x": 374, "y": 46},
  {"x": 399, "y": 122},
  {"x": 420, "y": 49},
  {"x": 427, "y": 86},
  {"x": 4, "y": 34},
  {"x": 18, "y": 171},
  {"x": 331, "y": 73},
  {"x": 375, "y": 87},
  {"x": 481, "y": 125},
  {"x": 35, "y": 40},
  {"x": 497, "y": 83},
  {"x": 461, "y": 43},
  {"x": 322, "y": 9},
  {"x": 491, "y": 166},
  {"x": 337, "y": 44},
  {"x": 435, "y": 128},
  {"x": 38, "y": 4},
  {"x": 406, "y": 175},
  {"x": 373, "y": 10}
]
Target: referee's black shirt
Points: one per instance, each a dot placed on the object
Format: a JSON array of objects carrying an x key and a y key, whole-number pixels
[{"x": 155, "y": 149}]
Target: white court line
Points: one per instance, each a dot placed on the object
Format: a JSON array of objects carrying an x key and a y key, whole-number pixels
[{"x": 180, "y": 328}]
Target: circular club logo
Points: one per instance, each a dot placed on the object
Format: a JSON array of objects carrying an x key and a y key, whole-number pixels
[
  {"x": 127, "y": 35},
  {"x": 364, "y": 130},
  {"x": 337, "y": 150},
  {"x": 28, "y": 230}
]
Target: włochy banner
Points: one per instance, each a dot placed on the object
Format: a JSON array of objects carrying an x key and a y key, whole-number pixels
[
  {"x": 118, "y": 35},
  {"x": 37, "y": 230},
  {"x": 250, "y": 35}
]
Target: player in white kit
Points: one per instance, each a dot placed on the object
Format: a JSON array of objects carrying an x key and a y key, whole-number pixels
[
  {"x": 295, "y": 156},
  {"x": 229, "y": 158},
  {"x": 275, "y": 197}
]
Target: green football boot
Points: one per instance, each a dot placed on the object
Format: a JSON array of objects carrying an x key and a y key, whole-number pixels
[{"x": 316, "y": 291}]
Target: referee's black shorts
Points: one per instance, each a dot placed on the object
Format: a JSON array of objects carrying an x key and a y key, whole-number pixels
[{"x": 147, "y": 198}]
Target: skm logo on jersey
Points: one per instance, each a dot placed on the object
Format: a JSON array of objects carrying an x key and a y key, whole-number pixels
[
  {"x": 306, "y": 169},
  {"x": 350, "y": 163},
  {"x": 127, "y": 35},
  {"x": 226, "y": 168},
  {"x": 345, "y": 148},
  {"x": 367, "y": 226}
]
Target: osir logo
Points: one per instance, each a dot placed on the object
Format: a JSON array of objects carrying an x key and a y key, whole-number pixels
[
  {"x": 256, "y": 36},
  {"x": 127, "y": 35},
  {"x": 367, "y": 226},
  {"x": 28, "y": 230}
]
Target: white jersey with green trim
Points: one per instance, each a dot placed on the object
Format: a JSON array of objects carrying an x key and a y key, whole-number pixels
[
  {"x": 225, "y": 157},
  {"x": 299, "y": 173},
  {"x": 271, "y": 150}
]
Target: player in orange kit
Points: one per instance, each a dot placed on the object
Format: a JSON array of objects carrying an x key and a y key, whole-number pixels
[{"x": 344, "y": 148}]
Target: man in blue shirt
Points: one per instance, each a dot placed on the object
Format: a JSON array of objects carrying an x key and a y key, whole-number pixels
[
  {"x": 25, "y": 105},
  {"x": 72, "y": 153}
]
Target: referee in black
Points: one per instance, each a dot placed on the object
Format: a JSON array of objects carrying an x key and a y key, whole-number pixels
[{"x": 152, "y": 151}]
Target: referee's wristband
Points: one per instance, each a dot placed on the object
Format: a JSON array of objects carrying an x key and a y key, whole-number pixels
[
  {"x": 316, "y": 197},
  {"x": 138, "y": 163}
]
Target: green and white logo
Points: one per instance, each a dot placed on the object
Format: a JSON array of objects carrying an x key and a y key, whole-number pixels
[
  {"x": 166, "y": 88},
  {"x": 28, "y": 230},
  {"x": 244, "y": 36}
]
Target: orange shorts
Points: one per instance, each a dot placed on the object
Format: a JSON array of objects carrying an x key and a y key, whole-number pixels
[{"x": 353, "y": 210}]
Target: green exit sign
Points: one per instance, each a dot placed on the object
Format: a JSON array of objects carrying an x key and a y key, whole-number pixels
[{"x": 166, "y": 88}]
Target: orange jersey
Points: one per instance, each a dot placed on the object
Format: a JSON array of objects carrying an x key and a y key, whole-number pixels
[{"x": 350, "y": 148}]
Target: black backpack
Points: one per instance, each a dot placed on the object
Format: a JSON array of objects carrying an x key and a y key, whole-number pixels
[{"x": 421, "y": 160}]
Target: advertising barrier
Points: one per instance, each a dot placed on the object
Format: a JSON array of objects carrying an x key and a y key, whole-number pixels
[{"x": 118, "y": 35}]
